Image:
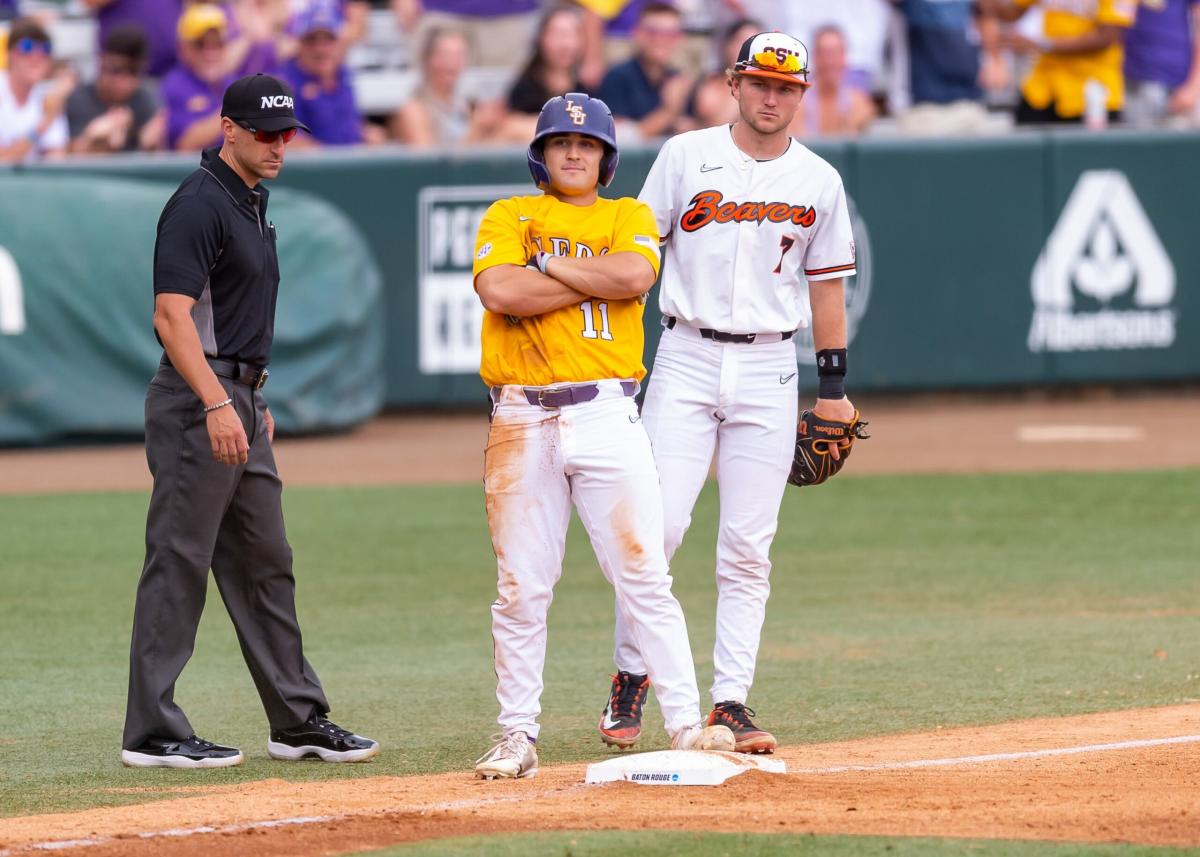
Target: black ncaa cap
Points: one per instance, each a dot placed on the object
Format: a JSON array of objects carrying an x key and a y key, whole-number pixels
[{"x": 263, "y": 102}]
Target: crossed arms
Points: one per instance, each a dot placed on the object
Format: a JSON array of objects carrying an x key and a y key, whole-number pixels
[{"x": 523, "y": 292}]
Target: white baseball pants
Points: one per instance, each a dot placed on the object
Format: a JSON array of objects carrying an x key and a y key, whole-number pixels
[
  {"x": 597, "y": 455},
  {"x": 741, "y": 401}
]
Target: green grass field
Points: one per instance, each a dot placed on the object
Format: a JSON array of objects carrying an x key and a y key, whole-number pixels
[
  {"x": 899, "y": 604},
  {"x": 649, "y": 843}
]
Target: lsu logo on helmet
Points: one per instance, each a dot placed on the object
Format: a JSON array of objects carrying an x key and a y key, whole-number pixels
[{"x": 576, "y": 112}]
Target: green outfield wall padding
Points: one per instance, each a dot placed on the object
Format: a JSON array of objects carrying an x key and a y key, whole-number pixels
[
  {"x": 77, "y": 344},
  {"x": 1028, "y": 260}
]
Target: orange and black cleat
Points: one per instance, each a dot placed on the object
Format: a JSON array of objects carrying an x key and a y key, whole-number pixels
[
  {"x": 748, "y": 738},
  {"x": 621, "y": 722}
]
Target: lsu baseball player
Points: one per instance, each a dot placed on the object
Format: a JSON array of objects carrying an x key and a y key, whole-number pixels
[
  {"x": 562, "y": 276},
  {"x": 756, "y": 230}
]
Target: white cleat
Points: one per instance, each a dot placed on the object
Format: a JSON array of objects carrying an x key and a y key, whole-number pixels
[
  {"x": 513, "y": 757},
  {"x": 704, "y": 738}
]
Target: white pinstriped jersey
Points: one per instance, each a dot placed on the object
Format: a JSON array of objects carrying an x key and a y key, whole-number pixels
[{"x": 745, "y": 237}]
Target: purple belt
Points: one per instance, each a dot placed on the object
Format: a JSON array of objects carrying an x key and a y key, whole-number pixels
[{"x": 550, "y": 398}]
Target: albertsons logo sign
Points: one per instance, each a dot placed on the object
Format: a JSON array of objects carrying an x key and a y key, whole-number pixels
[
  {"x": 1104, "y": 281},
  {"x": 449, "y": 315}
]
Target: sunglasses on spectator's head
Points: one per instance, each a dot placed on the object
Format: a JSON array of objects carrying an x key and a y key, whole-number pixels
[
  {"x": 269, "y": 136},
  {"x": 29, "y": 45}
]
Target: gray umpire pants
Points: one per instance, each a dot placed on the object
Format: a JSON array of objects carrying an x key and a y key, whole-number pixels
[{"x": 204, "y": 514}]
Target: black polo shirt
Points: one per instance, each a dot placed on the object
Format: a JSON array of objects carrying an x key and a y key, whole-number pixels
[{"x": 216, "y": 245}]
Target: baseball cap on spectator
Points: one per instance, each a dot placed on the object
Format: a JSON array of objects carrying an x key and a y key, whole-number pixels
[
  {"x": 316, "y": 17},
  {"x": 775, "y": 55},
  {"x": 263, "y": 102},
  {"x": 201, "y": 18}
]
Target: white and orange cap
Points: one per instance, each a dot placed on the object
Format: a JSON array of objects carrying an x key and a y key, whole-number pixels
[{"x": 775, "y": 55}]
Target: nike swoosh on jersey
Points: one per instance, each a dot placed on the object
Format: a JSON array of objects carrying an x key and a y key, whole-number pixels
[
  {"x": 705, "y": 168},
  {"x": 522, "y": 218},
  {"x": 784, "y": 379}
]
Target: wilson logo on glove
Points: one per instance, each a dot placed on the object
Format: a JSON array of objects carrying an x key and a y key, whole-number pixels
[{"x": 813, "y": 463}]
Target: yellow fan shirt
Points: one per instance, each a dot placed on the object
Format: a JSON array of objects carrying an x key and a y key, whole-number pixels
[
  {"x": 1059, "y": 79},
  {"x": 588, "y": 341}
]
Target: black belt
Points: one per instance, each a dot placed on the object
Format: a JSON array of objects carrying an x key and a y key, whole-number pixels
[
  {"x": 722, "y": 336},
  {"x": 574, "y": 394},
  {"x": 243, "y": 373}
]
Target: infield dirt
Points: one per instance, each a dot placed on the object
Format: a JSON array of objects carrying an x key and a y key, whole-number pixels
[
  {"x": 1097, "y": 430},
  {"x": 1148, "y": 795}
]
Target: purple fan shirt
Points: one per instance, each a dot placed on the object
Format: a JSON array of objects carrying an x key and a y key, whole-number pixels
[
  {"x": 187, "y": 98},
  {"x": 1158, "y": 47},
  {"x": 481, "y": 8},
  {"x": 261, "y": 58},
  {"x": 157, "y": 18},
  {"x": 330, "y": 113}
]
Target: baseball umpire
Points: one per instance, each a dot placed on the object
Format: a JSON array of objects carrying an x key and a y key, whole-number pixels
[
  {"x": 216, "y": 499},
  {"x": 563, "y": 275}
]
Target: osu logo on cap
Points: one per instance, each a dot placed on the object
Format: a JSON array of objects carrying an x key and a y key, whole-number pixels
[
  {"x": 781, "y": 58},
  {"x": 269, "y": 101},
  {"x": 775, "y": 55}
]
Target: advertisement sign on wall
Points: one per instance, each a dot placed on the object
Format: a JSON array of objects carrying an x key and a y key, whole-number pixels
[{"x": 1104, "y": 281}]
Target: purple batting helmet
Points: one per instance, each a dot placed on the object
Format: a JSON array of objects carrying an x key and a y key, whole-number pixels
[{"x": 574, "y": 113}]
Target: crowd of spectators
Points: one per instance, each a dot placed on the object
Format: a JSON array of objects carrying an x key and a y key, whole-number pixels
[{"x": 917, "y": 67}]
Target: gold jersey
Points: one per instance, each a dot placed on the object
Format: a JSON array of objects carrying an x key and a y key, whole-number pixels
[
  {"x": 1059, "y": 79},
  {"x": 588, "y": 341}
]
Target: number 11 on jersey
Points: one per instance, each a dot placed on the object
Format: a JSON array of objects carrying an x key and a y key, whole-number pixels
[{"x": 589, "y": 321}]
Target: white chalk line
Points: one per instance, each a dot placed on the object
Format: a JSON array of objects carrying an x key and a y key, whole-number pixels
[
  {"x": 1002, "y": 757},
  {"x": 466, "y": 804},
  {"x": 63, "y": 844},
  {"x": 1079, "y": 434}
]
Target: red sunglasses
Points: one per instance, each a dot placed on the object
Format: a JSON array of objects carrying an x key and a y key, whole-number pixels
[{"x": 270, "y": 136}]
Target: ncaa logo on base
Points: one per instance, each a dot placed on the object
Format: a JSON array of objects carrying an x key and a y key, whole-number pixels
[
  {"x": 449, "y": 315},
  {"x": 1104, "y": 281},
  {"x": 857, "y": 288}
]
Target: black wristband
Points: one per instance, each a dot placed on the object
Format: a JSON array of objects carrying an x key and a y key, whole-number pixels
[
  {"x": 831, "y": 373},
  {"x": 831, "y": 387},
  {"x": 831, "y": 361}
]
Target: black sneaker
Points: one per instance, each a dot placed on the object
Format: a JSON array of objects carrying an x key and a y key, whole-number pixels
[
  {"x": 748, "y": 737},
  {"x": 621, "y": 722},
  {"x": 320, "y": 739},
  {"x": 191, "y": 752}
]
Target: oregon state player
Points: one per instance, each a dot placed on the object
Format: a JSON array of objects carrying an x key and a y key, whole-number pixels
[
  {"x": 562, "y": 276},
  {"x": 757, "y": 240}
]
